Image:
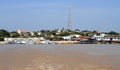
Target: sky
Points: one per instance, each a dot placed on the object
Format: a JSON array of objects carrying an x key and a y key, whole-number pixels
[{"x": 33, "y": 15}]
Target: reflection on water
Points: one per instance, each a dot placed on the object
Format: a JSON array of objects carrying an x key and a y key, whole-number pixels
[{"x": 60, "y": 57}]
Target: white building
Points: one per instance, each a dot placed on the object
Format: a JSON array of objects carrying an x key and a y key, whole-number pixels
[
  {"x": 99, "y": 37},
  {"x": 104, "y": 37},
  {"x": 23, "y": 40},
  {"x": 71, "y": 36},
  {"x": 67, "y": 37}
]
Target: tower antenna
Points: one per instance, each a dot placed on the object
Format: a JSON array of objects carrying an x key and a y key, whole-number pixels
[{"x": 69, "y": 19}]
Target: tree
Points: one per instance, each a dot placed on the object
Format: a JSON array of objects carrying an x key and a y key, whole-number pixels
[
  {"x": 64, "y": 34},
  {"x": 113, "y": 33},
  {"x": 29, "y": 34},
  {"x": 1, "y": 38},
  {"x": 94, "y": 32},
  {"x": 77, "y": 30},
  {"x": 4, "y": 33},
  {"x": 14, "y": 34}
]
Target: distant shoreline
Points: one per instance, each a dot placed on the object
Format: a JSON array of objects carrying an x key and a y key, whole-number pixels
[{"x": 64, "y": 42}]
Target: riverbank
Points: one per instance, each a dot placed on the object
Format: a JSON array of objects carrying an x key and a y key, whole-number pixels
[
  {"x": 2, "y": 42},
  {"x": 65, "y": 42}
]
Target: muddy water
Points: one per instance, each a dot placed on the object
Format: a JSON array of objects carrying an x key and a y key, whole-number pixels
[{"x": 60, "y": 57}]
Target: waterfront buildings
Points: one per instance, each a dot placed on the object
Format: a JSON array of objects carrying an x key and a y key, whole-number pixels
[
  {"x": 61, "y": 36},
  {"x": 23, "y": 40}
]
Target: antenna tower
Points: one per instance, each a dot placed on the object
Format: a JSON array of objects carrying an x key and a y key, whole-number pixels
[{"x": 69, "y": 19}]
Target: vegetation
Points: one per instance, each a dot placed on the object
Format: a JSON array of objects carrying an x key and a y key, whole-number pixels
[
  {"x": 113, "y": 33},
  {"x": 1, "y": 38},
  {"x": 14, "y": 34},
  {"x": 4, "y": 33}
]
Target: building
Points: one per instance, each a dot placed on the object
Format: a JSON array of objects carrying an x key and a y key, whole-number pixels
[
  {"x": 103, "y": 38},
  {"x": 22, "y": 31},
  {"x": 23, "y": 40}
]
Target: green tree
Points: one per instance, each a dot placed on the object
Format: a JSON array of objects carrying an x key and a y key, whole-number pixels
[
  {"x": 64, "y": 34},
  {"x": 1, "y": 38},
  {"x": 113, "y": 33},
  {"x": 94, "y": 32},
  {"x": 77, "y": 30},
  {"x": 14, "y": 34},
  {"x": 4, "y": 33},
  {"x": 29, "y": 34}
]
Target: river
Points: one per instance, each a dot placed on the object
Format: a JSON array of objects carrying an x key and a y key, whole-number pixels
[{"x": 60, "y": 57}]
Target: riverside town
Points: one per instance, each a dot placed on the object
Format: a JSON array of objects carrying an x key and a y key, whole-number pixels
[{"x": 59, "y": 36}]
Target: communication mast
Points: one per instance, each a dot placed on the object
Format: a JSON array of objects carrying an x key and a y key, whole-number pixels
[{"x": 69, "y": 19}]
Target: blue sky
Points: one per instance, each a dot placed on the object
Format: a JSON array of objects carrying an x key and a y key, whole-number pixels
[{"x": 101, "y": 15}]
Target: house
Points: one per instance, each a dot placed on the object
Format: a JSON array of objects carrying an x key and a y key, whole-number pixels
[{"x": 22, "y": 31}]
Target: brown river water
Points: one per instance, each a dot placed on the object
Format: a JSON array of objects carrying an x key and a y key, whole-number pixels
[{"x": 60, "y": 57}]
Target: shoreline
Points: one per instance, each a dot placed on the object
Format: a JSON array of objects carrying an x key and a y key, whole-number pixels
[
  {"x": 65, "y": 42},
  {"x": 2, "y": 42}
]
